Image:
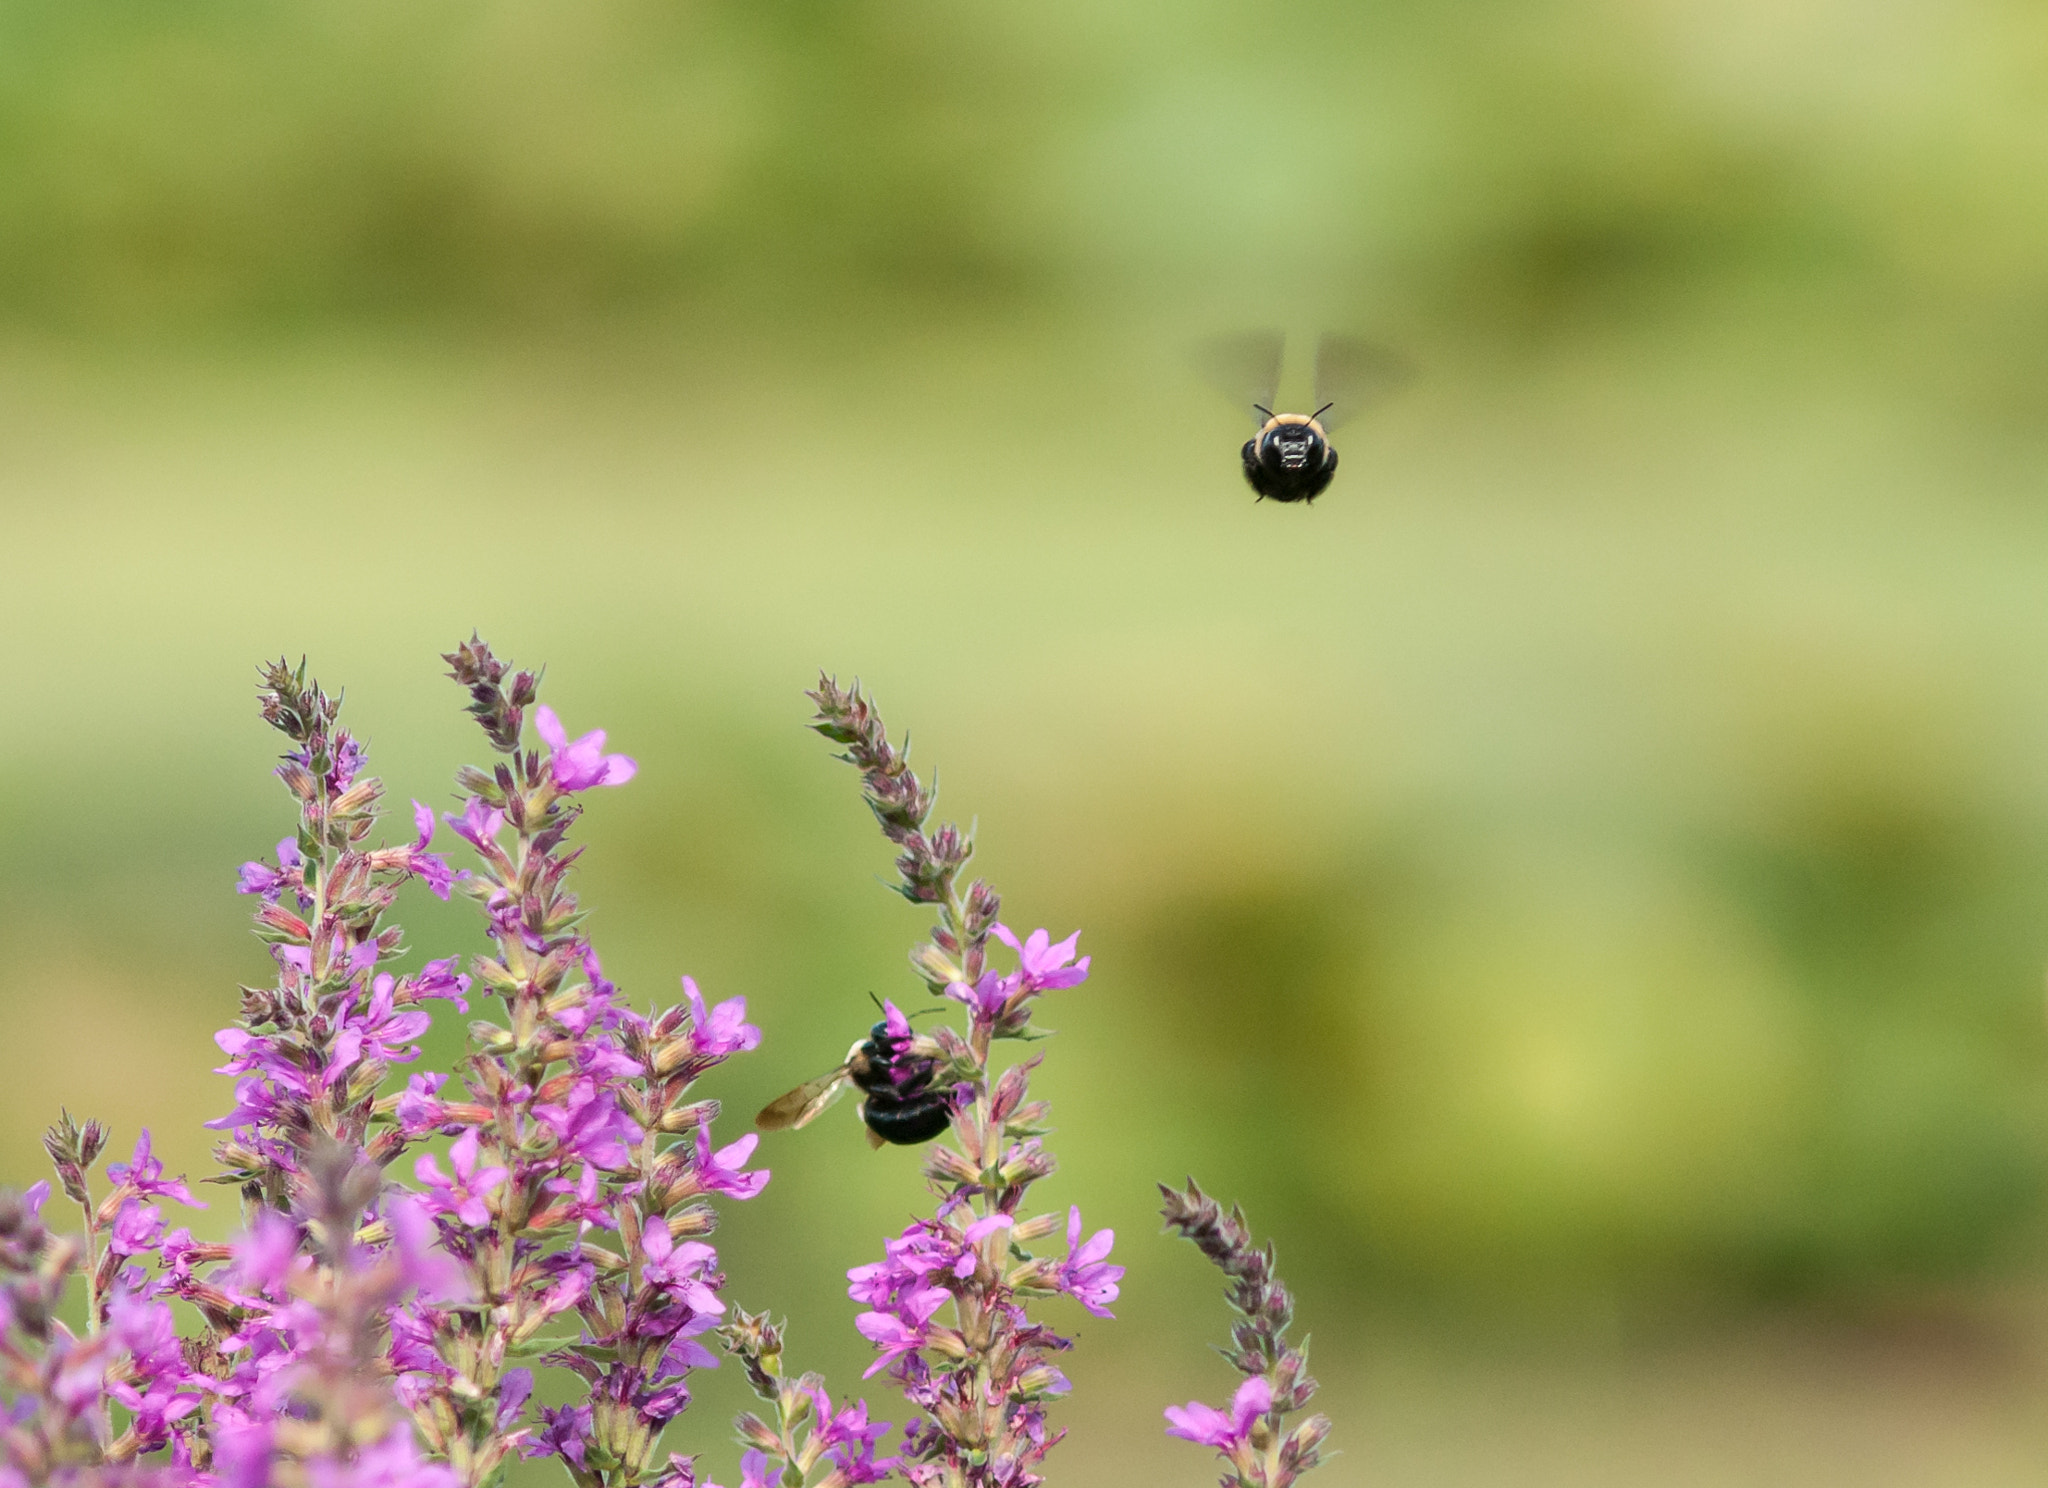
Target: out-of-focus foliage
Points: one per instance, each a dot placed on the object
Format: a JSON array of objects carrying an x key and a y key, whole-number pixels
[{"x": 1598, "y": 851}]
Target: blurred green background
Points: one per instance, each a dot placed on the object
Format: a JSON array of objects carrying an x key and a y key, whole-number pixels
[{"x": 1581, "y": 884}]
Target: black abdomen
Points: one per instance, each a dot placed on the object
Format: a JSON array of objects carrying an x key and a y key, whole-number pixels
[{"x": 908, "y": 1120}]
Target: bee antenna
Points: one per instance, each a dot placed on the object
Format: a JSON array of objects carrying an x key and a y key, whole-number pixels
[
  {"x": 1262, "y": 408},
  {"x": 883, "y": 1008},
  {"x": 1323, "y": 410}
]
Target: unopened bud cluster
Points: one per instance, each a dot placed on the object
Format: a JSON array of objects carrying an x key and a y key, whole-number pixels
[{"x": 931, "y": 857}]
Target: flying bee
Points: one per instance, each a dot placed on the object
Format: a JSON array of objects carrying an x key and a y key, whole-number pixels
[
  {"x": 1291, "y": 458},
  {"x": 899, "y": 1103}
]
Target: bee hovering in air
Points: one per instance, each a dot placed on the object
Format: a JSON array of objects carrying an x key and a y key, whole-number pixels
[
  {"x": 900, "y": 1105},
  {"x": 1291, "y": 458}
]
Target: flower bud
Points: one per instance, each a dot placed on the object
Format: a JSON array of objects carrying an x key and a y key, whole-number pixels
[
  {"x": 1305, "y": 1438},
  {"x": 689, "y": 1117},
  {"x": 1039, "y": 1275},
  {"x": 1027, "y": 1162},
  {"x": 943, "y": 1165},
  {"x": 692, "y": 1220},
  {"x": 277, "y": 925},
  {"x": 935, "y": 966},
  {"x": 669, "y": 1057},
  {"x": 1041, "y": 1379},
  {"x": 1010, "y": 1090},
  {"x": 494, "y": 974},
  {"x": 1035, "y": 1228},
  {"x": 489, "y": 1038}
]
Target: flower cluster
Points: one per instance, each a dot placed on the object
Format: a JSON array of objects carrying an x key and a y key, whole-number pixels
[
  {"x": 949, "y": 1304},
  {"x": 806, "y": 1433},
  {"x": 311, "y": 1053},
  {"x": 1252, "y": 1435},
  {"x": 56, "y": 1422},
  {"x": 578, "y": 1186},
  {"x": 366, "y": 1331},
  {"x": 310, "y": 1401},
  {"x": 129, "y": 1353},
  {"x": 286, "y": 1386}
]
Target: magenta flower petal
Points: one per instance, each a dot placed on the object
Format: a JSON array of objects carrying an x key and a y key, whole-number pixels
[
  {"x": 1197, "y": 1422},
  {"x": 582, "y": 764}
]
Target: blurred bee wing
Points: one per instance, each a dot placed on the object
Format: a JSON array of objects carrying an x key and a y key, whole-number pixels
[
  {"x": 1245, "y": 368},
  {"x": 804, "y": 1104},
  {"x": 875, "y": 1139},
  {"x": 1352, "y": 375}
]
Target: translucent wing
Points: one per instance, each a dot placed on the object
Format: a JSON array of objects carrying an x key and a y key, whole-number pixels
[
  {"x": 804, "y": 1104},
  {"x": 1352, "y": 375},
  {"x": 1245, "y": 368}
]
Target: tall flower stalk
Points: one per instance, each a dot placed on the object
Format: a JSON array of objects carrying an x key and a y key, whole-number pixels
[
  {"x": 311, "y": 1053},
  {"x": 580, "y": 1176},
  {"x": 950, "y": 1303},
  {"x": 1252, "y": 1436}
]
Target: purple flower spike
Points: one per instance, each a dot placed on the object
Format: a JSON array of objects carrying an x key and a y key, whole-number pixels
[
  {"x": 981, "y": 1388},
  {"x": 1277, "y": 1382},
  {"x": 583, "y": 764}
]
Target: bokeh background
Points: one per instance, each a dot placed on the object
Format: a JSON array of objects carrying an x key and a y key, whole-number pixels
[{"x": 1583, "y": 885}]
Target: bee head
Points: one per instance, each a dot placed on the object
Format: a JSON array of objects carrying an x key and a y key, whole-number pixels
[{"x": 1293, "y": 441}]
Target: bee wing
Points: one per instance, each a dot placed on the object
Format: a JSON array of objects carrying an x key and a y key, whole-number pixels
[
  {"x": 874, "y": 1138},
  {"x": 1354, "y": 374},
  {"x": 1245, "y": 367},
  {"x": 804, "y": 1104}
]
